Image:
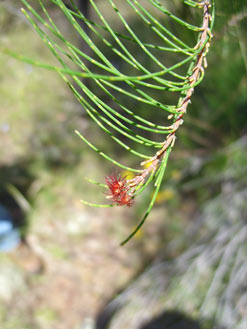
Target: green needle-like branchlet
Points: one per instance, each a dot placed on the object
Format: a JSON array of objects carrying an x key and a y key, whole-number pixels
[{"x": 123, "y": 68}]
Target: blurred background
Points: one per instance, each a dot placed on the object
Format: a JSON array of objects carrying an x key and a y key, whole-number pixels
[{"x": 61, "y": 265}]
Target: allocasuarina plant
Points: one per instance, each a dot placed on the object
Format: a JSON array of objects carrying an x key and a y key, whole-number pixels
[{"x": 136, "y": 53}]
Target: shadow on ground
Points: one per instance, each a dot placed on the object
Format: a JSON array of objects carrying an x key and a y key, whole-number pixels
[
  {"x": 166, "y": 320},
  {"x": 171, "y": 320}
]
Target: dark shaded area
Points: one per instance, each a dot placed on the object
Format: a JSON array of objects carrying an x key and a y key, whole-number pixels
[
  {"x": 17, "y": 214},
  {"x": 172, "y": 320},
  {"x": 16, "y": 177},
  {"x": 166, "y": 320},
  {"x": 105, "y": 316},
  {"x": 83, "y": 6}
]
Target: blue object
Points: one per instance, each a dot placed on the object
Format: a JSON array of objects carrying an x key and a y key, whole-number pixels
[{"x": 9, "y": 235}]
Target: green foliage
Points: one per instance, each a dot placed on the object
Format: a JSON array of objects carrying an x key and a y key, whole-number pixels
[{"x": 120, "y": 87}]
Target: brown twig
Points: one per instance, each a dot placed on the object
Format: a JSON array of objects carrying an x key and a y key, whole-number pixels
[{"x": 200, "y": 64}]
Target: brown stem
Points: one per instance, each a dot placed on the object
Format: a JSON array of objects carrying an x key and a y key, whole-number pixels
[{"x": 200, "y": 63}]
